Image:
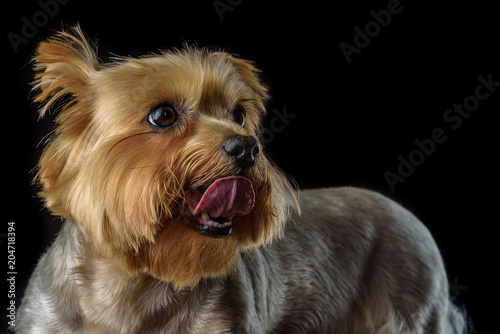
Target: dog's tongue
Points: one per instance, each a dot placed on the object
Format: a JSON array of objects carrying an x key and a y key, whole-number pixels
[{"x": 232, "y": 195}]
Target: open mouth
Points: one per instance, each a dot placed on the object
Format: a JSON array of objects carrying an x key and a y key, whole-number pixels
[{"x": 211, "y": 211}]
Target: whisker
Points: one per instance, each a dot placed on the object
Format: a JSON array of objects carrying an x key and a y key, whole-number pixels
[{"x": 129, "y": 137}]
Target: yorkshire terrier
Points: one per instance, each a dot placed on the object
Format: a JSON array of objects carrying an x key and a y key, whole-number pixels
[{"x": 175, "y": 218}]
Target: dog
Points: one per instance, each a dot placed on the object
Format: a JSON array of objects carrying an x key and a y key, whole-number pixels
[{"x": 177, "y": 222}]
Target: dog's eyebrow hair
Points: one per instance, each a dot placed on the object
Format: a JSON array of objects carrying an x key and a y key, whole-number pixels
[
  {"x": 253, "y": 101},
  {"x": 246, "y": 100}
]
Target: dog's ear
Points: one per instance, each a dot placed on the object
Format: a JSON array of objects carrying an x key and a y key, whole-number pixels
[
  {"x": 64, "y": 66},
  {"x": 251, "y": 75},
  {"x": 247, "y": 69}
]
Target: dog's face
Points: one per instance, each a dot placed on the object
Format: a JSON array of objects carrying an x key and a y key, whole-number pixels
[{"x": 158, "y": 159}]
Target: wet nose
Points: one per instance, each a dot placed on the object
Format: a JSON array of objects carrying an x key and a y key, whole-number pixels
[{"x": 243, "y": 149}]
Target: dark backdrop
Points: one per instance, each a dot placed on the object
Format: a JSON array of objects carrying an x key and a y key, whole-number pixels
[{"x": 366, "y": 89}]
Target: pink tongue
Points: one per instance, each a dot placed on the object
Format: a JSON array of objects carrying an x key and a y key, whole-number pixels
[{"x": 225, "y": 197}]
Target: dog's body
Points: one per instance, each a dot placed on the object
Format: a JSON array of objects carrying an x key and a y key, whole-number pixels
[
  {"x": 176, "y": 218},
  {"x": 354, "y": 262}
]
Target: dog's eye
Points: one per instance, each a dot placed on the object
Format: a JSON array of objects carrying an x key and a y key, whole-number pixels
[
  {"x": 162, "y": 116},
  {"x": 239, "y": 114}
]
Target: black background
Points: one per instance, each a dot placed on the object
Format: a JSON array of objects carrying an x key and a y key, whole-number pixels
[{"x": 352, "y": 120}]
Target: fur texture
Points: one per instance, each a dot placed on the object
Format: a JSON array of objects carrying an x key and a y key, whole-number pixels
[{"x": 126, "y": 260}]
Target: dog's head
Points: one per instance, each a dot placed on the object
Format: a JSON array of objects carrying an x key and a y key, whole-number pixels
[{"x": 158, "y": 160}]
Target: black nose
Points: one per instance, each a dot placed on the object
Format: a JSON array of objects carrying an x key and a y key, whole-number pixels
[{"x": 244, "y": 149}]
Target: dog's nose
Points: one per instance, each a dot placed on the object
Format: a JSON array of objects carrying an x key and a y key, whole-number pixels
[{"x": 244, "y": 149}]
